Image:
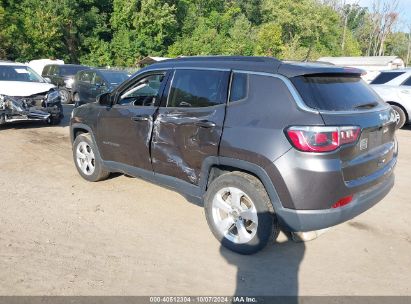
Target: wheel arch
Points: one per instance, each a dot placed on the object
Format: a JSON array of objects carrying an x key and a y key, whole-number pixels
[
  {"x": 216, "y": 166},
  {"x": 77, "y": 129},
  {"x": 394, "y": 103}
]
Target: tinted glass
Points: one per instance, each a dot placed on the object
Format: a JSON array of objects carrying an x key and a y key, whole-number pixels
[
  {"x": 70, "y": 70},
  {"x": 385, "y": 77},
  {"x": 195, "y": 88},
  {"x": 19, "y": 73},
  {"x": 335, "y": 92},
  {"x": 144, "y": 92},
  {"x": 86, "y": 77},
  {"x": 45, "y": 70},
  {"x": 239, "y": 87},
  {"x": 114, "y": 78},
  {"x": 407, "y": 82}
]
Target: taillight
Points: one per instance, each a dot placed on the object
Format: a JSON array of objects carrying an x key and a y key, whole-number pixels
[
  {"x": 322, "y": 139},
  {"x": 343, "y": 202}
]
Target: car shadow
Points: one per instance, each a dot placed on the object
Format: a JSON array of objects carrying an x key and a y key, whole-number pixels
[{"x": 270, "y": 272}]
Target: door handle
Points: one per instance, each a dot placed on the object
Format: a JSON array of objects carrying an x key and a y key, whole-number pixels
[
  {"x": 141, "y": 118},
  {"x": 205, "y": 124},
  {"x": 405, "y": 91}
]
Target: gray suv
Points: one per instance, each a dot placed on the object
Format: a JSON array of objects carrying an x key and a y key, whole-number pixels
[{"x": 262, "y": 143}]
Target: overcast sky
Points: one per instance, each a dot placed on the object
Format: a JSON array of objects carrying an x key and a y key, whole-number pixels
[{"x": 404, "y": 8}]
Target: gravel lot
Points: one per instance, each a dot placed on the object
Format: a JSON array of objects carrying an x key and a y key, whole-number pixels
[{"x": 60, "y": 235}]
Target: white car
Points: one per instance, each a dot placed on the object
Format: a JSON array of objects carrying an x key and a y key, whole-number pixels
[
  {"x": 25, "y": 95},
  {"x": 394, "y": 87}
]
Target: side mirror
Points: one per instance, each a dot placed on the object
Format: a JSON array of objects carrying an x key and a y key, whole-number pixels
[
  {"x": 48, "y": 80},
  {"x": 104, "y": 99}
]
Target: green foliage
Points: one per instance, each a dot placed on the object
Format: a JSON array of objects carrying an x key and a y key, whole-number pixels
[
  {"x": 120, "y": 32},
  {"x": 269, "y": 41}
]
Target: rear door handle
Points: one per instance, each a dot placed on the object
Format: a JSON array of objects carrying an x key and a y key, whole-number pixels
[
  {"x": 405, "y": 91},
  {"x": 205, "y": 124},
  {"x": 141, "y": 118}
]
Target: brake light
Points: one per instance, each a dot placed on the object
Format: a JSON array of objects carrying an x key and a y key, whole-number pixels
[
  {"x": 343, "y": 202},
  {"x": 322, "y": 139}
]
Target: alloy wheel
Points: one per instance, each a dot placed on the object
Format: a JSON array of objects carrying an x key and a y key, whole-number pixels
[
  {"x": 85, "y": 158},
  {"x": 235, "y": 215}
]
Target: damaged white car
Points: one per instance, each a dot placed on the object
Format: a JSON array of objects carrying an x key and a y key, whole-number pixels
[{"x": 25, "y": 95}]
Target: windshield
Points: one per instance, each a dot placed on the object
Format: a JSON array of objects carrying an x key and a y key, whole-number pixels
[
  {"x": 115, "y": 78},
  {"x": 19, "y": 73},
  {"x": 70, "y": 70},
  {"x": 335, "y": 92}
]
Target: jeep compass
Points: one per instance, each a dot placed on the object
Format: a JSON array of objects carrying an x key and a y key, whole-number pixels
[{"x": 262, "y": 143}]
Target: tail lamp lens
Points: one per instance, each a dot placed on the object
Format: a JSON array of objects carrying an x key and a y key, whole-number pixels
[
  {"x": 343, "y": 202},
  {"x": 322, "y": 139}
]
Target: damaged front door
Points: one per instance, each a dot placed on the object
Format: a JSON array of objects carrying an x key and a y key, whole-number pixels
[
  {"x": 126, "y": 127},
  {"x": 189, "y": 125}
]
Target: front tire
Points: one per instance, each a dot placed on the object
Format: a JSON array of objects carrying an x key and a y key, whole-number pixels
[
  {"x": 53, "y": 121},
  {"x": 65, "y": 96},
  {"x": 239, "y": 213},
  {"x": 87, "y": 159},
  {"x": 400, "y": 116}
]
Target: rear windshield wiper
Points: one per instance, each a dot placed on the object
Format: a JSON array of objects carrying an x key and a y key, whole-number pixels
[{"x": 369, "y": 105}]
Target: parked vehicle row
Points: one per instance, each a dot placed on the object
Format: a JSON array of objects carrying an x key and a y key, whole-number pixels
[
  {"x": 262, "y": 143},
  {"x": 81, "y": 84},
  {"x": 63, "y": 77}
]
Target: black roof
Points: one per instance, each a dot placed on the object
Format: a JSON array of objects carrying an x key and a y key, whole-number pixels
[{"x": 256, "y": 64}]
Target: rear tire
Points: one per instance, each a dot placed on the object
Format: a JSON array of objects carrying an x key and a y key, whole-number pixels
[
  {"x": 87, "y": 159},
  {"x": 239, "y": 213},
  {"x": 400, "y": 116}
]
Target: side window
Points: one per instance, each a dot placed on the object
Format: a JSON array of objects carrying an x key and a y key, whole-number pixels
[
  {"x": 86, "y": 77},
  {"x": 197, "y": 88},
  {"x": 54, "y": 71},
  {"x": 385, "y": 77},
  {"x": 239, "y": 87},
  {"x": 98, "y": 80},
  {"x": 45, "y": 71},
  {"x": 407, "y": 82},
  {"x": 144, "y": 92}
]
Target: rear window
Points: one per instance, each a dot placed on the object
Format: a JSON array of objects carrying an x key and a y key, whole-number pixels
[
  {"x": 386, "y": 77},
  {"x": 335, "y": 92}
]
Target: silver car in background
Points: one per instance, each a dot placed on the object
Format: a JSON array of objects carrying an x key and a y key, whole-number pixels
[{"x": 394, "y": 87}]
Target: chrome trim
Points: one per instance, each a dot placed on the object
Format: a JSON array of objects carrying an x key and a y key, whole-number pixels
[
  {"x": 201, "y": 68},
  {"x": 301, "y": 104},
  {"x": 230, "y": 82},
  {"x": 169, "y": 89}
]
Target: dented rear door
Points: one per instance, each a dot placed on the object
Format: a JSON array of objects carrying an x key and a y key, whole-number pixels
[{"x": 188, "y": 126}]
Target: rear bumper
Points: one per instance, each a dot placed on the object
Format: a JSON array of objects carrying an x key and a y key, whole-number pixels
[{"x": 310, "y": 220}]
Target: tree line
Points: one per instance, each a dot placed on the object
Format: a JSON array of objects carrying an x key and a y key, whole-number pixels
[{"x": 120, "y": 32}]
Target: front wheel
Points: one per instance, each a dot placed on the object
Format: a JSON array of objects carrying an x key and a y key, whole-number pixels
[
  {"x": 53, "y": 121},
  {"x": 65, "y": 96},
  {"x": 239, "y": 213},
  {"x": 87, "y": 160},
  {"x": 400, "y": 116}
]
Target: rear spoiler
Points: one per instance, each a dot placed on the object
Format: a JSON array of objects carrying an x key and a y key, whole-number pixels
[{"x": 302, "y": 69}]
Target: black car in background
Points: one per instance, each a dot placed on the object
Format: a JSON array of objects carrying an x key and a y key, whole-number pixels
[
  {"x": 63, "y": 77},
  {"x": 90, "y": 83}
]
